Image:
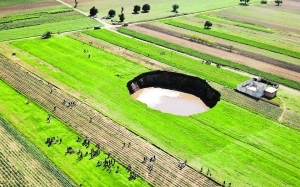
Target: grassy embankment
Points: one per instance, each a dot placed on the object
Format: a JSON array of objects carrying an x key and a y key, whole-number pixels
[
  {"x": 192, "y": 52},
  {"x": 231, "y": 37},
  {"x": 30, "y": 120},
  {"x": 36, "y": 24},
  {"x": 236, "y": 144}
]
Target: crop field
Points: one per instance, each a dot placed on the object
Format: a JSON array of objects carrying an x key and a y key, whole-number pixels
[
  {"x": 23, "y": 164},
  {"x": 36, "y": 24},
  {"x": 184, "y": 33},
  {"x": 258, "y": 146},
  {"x": 242, "y": 140},
  {"x": 195, "y": 67},
  {"x": 9, "y": 8},
  {"x": 32, "y": 123},
  {"x": 287, "y": 19},
  {"x": 285, "y": 48},
  {"x": 231, "y": 22},
  {"x": 279, "y": 79},
  {"x": 6, "y": 3},
  {"x": 158, "y": 9}
]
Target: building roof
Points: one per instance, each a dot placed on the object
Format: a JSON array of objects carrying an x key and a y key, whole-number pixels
[{"x": 271, "y": 90}]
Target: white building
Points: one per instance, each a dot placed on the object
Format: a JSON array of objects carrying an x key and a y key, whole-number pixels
[{"x": 252, "y": 87}]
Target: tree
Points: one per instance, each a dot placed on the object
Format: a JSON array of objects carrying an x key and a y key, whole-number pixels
[
  {"x": 136, "y": 9},
  {"x": 122, "y": 17},
  {"x": 93, "y": 12},
  {"x": 112, "y": 13},
  {"x": 278, "y": 2},
  {"x": 245, "y": 1},
  {"x": 264, "y": 2},
  {"x": 175, "y": 7},
  {"x": 207, "y": 25},
  {"x": 146, "y": 8}
]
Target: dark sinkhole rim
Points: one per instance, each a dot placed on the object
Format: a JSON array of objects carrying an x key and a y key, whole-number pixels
[{"x": 178, "y": 82}]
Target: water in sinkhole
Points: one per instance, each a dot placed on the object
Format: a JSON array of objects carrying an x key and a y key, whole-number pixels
[{"x": 170, "y": 101}]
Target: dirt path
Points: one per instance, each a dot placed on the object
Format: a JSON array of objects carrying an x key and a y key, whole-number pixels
[
  {"x": 284, "y": 109},
  {"x": 222, "y": 54}
]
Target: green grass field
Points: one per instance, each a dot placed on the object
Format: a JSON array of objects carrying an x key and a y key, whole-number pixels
[
  {"x": 284, "y": 20},
  {"x": 186, "y": 50},
  {"x": 18, "y": 153},
  {"x": 229, "y": 35},
  {"x": 233, "y": 22},
  {"x": 36, "y": 24},
  {"x": 180, "y": 61},
  {"x": 237, "y": 145},
  {"x": 30, "y": 120},
  {"x": 158, "y": 9},
  {"x": 4, "y": 3},
  {"x": 236, "y": 45}
]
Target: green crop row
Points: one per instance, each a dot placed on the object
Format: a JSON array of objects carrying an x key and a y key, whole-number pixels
[
  {"x": 180, "y": 61},
  {"x": 29, "y": 149},
  {"x": 38, "y": 19},
  {"x": 236, "y": 23},
  {"x": 17, "y": 17},
  {"x": 234, "y": 38},
  {"x": 157, "y": 41},
  {"x": 228, "y": 139},
  {"x": 54, "y": 27},
  {"x": 31, "y": 121}
]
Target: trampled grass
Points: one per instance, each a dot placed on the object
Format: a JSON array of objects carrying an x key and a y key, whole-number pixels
[
  {"x": 180, "y": 61},
  {"x": 237, "y": 145},
  {"x": 30, "y": 120},
  {"x": 231, "y": 37},
  {"x": 186, "y": 50}
]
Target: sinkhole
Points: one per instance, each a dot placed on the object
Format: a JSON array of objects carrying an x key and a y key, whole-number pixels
[{"x": 174, "y": 93}]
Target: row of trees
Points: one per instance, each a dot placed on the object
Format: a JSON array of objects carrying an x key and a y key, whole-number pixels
[
  {"x": 263, "y": 1},
  {"x": 137, "y": 8}
]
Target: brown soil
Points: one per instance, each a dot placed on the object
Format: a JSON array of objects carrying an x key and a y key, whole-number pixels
[
  {"x": 255, "y": 56},
  {"x": 257, "y": 22},
  {"x": 222, "y": 54},
  {"x": 293, "y": 5},
  {"x": 22, "y": 7}
]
